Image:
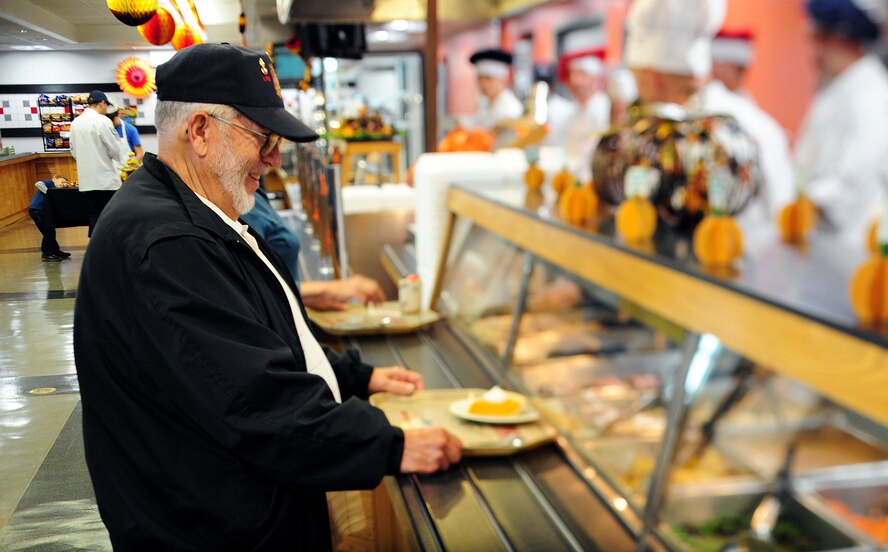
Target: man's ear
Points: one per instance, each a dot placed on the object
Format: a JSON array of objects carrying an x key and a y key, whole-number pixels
[{"x": 196, "y": 133}]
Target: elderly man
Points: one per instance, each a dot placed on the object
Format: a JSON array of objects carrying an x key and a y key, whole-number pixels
[
  {"x": 212, "y": 417},
  {"x": 841, "y": 149}
]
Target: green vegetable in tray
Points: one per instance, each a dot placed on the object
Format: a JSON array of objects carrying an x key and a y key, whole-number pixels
[{"x": 712, "y": 534}]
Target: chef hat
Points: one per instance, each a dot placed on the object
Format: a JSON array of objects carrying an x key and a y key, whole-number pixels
[
  {"x": 856, "y": 19},
  {"x": 673, "y": 36},
  {"x": 590, "y": 61},
  {"x": 733, "y": 45},
  {"x": 492, "y": 62}
]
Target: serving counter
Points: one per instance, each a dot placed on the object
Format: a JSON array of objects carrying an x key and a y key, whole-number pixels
[
  {"x": 18, "y": 173},
  {"x": 675, "y": 392}
]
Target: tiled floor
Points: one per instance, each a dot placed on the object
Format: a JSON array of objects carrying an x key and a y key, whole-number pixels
[{"x": 46, "y": 499}]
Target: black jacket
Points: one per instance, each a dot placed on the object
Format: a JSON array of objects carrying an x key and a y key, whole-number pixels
[{"x": 203, "y": 430}]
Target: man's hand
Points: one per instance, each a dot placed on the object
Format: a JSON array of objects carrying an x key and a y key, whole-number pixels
[
  {"x": 395, "y": 379},
  {"x": 336, "y": 294},
  {"x": 429, "y": 450}
]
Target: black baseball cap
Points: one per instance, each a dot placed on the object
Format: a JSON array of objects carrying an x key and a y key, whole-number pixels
[
  {"x": 97, "y": 96},
  {"x": 230, "y": 75},
  {"x": 492, "y": 54}
]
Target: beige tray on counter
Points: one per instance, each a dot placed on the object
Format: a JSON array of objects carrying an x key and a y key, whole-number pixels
[
  {"x": 383, "y": 318},
  {"x": 431, "y": 408}
]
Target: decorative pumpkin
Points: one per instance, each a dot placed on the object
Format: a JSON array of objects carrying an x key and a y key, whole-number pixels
[
  {"x": 460, "y": 139},
  {"x": 718, "y": 240},
  {"x": 636, "y": 219},
  {"x": 869, "y": 290},
  {"x": 534, "y": 177},
  {"x": 159, "y": 29},
  {"x": 578, "y": 204},
  {"x": 185, "y": 36},
  {"x": 133, "y": 12},
  {"x": 562, "y": 181},
  {"x": 797, "y": 219}
]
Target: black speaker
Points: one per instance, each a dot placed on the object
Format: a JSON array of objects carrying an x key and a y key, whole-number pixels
[{"x": 348, "y": 41}]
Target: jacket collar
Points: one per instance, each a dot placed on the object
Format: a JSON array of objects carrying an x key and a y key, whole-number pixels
[{"x": 200, "y": 214}]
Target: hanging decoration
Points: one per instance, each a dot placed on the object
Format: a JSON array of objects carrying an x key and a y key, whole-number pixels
[
  {"x": 160, "y": 28},
  {"x": 136, "y": 77},
  {"x": 133, "y": 12},
  {"x": 185, "y": 36},
  {"x": 242, "y": 25}
]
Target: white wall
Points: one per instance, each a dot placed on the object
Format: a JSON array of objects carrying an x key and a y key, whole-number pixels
[{"x": 71, "y": 67}]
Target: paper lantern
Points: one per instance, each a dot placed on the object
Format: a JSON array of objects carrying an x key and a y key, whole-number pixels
[
  {"x": 136, "y": 77},
  {"x": 133, "y": 12},
  {"x": 160, "y": 28},
  {"x": 185, "y": 36}
]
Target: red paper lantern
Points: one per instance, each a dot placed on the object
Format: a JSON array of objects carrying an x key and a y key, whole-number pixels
[
  {"x": 133, "y": 12},
  {"x": 136, "y": 77},
  {"x": 185, "y": 36},
  {"x": 160, "y": 29}
]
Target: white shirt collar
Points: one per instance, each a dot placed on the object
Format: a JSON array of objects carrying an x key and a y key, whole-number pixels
[{"x": 241, "y": 229}]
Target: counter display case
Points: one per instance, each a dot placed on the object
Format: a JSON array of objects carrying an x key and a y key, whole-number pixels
[{"x": 677, "y": 392}]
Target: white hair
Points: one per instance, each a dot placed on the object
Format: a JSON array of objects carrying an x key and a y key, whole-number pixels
[{"x": 168, "y": 116}]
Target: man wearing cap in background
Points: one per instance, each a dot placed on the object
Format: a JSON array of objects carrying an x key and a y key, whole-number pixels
[
  {"x": 669, "y": 50},
  {"x": 731, "y": 55},
  {"x": 841, "y": 150},
  {"x": 124, "y": 129},
  {"x": 582, "y": 71},
  {"x": 212, "y": 417},
  {"x": 99, "y": 152},
  {"x": 498, "y": 102}
]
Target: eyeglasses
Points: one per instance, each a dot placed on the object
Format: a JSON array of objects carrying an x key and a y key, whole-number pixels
[{"x": 271, "y": 139}]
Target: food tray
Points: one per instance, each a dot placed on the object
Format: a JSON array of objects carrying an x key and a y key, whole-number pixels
[
  {"x": 431, "y": 408},
  {"x": 381, "y": 319}
]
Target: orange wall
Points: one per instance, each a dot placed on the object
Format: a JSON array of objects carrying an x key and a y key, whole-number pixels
[{"x": 782, "y": 78}]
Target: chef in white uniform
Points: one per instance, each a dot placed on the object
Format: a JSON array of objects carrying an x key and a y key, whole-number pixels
[
  {"x": 583, "y": 71},
  {"x": 843, "y": 143},
  {"x": 732, "y": 52},
  {"x": 498, "y": 102}
]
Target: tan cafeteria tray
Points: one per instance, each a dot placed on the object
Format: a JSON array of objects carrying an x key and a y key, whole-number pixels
[
  {"x": 384, "y": 318},
  {"x": 431, "y": 408}
]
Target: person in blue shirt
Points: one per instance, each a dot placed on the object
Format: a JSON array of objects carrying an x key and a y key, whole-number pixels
[
  {"x": 49, "y": 247},
  {"x": 132, "y": 135},
  {"x": 319, "y": 295}
]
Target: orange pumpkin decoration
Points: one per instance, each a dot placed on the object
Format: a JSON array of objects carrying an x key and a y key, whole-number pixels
[
  {"x": 534, "y": 177},
  {"x": 797, "y": 219},
  {"x": 460, "y": 139},
  {"x": 533, "y": 199},
  {"x": 562, "y": 181},
  {"x": 869, "y": 291},
  {"x": 718, "y": 241},
  {"x": 636, "y": 219},
  {"x": 578, "y": 204}
]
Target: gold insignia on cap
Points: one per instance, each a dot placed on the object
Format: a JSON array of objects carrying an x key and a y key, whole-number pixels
[
  {"x": 277, "y": 85},
  {"x": 262, "y": 66}
]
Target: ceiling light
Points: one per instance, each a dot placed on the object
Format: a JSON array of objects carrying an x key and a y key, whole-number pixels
[
  {"x": 380, "y": 36},
  {"x": 399, "y": 25}
]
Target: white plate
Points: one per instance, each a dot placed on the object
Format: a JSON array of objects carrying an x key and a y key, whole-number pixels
[{"x": 460, "y": 409}]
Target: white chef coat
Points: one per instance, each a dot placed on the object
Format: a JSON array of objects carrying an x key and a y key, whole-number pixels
[
  {"x": 505, "y": 106},
  {"x": 776, "y": 162},
  {"x": 586, "y": 126},
  {"x": 98, "y": 150},
  {"x": 843, "y": 147}
]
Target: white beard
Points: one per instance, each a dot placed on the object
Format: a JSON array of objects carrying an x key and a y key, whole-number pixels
[{"x": 226, "y": 167}]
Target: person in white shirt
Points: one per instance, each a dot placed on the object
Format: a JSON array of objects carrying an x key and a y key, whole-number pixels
[
  {"x": 498, "y": 102},
  {"x": 99, "y": 152},
  {"x": 732, "y": 52},
  {"x": 583, "y": 73},
  {"x": 843, "y": 141}
]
